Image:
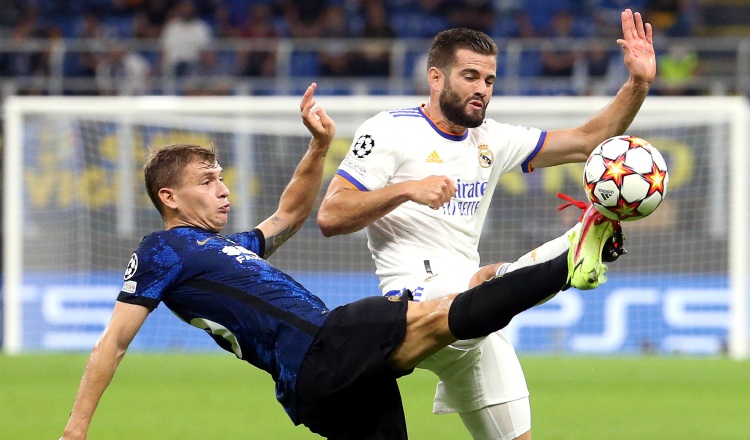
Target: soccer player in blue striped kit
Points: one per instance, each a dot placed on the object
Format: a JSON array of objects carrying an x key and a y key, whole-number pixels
[{"x": 335, "y": 369}]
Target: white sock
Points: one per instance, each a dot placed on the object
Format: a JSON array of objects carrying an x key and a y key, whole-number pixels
[{"x": 545, "y": 252}]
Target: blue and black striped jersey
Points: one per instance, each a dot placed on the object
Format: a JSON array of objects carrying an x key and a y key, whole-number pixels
[{"x": 221, "y": 285}]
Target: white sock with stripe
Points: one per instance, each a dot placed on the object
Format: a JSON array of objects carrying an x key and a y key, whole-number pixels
[{"x": 545, "y": 252}]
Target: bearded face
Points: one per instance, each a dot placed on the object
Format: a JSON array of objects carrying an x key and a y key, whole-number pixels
[{"x": 458, "y": 110}]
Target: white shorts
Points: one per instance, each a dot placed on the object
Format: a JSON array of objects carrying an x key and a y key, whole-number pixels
[
  {"x": 473, "y": 374},
  {"x": 506, "y": 421},
  {"x": 476, "y": 376}
]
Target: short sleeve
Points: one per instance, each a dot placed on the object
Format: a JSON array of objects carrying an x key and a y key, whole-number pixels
[
  {"x": 373, "y": 156},
  {"x": 254, "y": 241},
  {"x": 519, "y": 146},
  {"x": 152, "y": 269}
]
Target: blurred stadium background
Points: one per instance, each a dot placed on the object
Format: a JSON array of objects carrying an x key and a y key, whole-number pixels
[
  {"x": 659, "y": 330},
  {"x": 262, "y": 47}
]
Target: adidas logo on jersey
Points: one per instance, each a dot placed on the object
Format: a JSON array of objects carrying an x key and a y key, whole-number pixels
[{"x": 434, "y": 158}]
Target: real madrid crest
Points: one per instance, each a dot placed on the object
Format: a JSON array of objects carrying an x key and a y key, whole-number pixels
[{"x": 486, "y": 158}]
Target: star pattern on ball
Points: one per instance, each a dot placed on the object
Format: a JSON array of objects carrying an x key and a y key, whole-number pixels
[
  {"x": 615, "y": 170},
  {"x": 625, "y": 210},
  {"x": 625, "y": 177},
  {"x": 656, "y": 179},
  {"x": 589, "y": 188},
  {"x": 636, "y": 142}
]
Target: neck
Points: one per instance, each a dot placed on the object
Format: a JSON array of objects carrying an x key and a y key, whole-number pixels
[{"x": 432, "y": 111}]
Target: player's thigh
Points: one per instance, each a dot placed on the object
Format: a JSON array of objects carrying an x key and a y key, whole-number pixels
[
  {"x": 501, "y": 370},
  {"x": 450, "y": 280},
  {"x": 485, "y": 375},
  {"x": 504, "y": 421}
]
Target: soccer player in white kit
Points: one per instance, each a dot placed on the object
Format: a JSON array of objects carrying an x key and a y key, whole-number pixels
[{"x": 421, "y": 180}]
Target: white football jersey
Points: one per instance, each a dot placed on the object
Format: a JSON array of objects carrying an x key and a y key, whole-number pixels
[{"x": 415, "y": 241}]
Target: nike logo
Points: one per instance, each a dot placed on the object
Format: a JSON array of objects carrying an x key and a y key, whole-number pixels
[
  {"x": 580, "y": 264},
  {"x": 202, "y": 242}
]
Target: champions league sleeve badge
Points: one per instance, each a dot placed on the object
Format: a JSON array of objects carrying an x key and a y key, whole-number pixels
[
  {"x": 486, "y": 157},
  {"x": 363, "y": 147},
  {"x": 132, "y": 267}
]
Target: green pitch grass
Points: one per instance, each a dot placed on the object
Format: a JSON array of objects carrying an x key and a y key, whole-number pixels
[{"x": 217, "y": 397}]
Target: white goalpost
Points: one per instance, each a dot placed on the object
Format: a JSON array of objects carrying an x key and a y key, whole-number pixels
[{"x": 75, "y": 209}]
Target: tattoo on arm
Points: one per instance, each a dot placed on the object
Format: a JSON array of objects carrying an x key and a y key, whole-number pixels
[{"x": 274, "y": 241}]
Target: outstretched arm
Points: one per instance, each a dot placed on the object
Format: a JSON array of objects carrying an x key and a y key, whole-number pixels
[
  {"x": 109, "y": 350},
  {"x": 575, "y": 144},
  {"x": 346, "y": 209},
  {"x": 297, "y": 200}
]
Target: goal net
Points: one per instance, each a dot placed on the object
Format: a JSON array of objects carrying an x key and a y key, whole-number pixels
[{"x": 75, "y": 209}]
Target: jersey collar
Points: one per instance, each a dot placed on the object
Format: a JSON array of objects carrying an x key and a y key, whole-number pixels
[{"x": 438, "y": 130}]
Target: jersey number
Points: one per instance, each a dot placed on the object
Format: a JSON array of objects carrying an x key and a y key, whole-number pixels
[{"x": 220, "y": 331}]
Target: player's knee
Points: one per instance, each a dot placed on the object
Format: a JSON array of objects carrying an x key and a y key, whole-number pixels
[
  {"x": 426, "y": 333},
  {"x": 430, "y": 319},
  {"x": 439, "y": 316},
  {"x": 484, "y": 273}
]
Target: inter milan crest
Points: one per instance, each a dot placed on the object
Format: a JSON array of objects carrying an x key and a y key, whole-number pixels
[
  {"x": 363, "y": 147},
  {"x": 486, "y": 158},
  {"x": 132, "y": 267}
]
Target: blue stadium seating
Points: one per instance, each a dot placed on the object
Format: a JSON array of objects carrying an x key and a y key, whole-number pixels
[{"x": 305, "y": 64}]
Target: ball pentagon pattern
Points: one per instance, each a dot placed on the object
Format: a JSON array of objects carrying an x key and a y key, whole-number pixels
[{"x": 625, "y": 178}]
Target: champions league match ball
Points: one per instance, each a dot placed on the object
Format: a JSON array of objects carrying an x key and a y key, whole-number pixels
[{"x": 625, "y": 178}]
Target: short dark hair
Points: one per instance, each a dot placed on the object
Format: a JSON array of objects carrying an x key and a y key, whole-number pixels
[
  {"x": 445, "y": 45},
  {"x": 165, "y": 165}
]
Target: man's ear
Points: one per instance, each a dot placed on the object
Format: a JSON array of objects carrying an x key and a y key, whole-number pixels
[
  {"x": 434, "y": 75},
  {"x": 168, "y": 198}
]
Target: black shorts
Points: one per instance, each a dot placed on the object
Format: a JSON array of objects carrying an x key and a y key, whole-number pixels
[{"x": 345, "y": 388}]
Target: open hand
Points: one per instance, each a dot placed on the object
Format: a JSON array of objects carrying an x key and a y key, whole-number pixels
[{"x": 638, "y": 45}]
